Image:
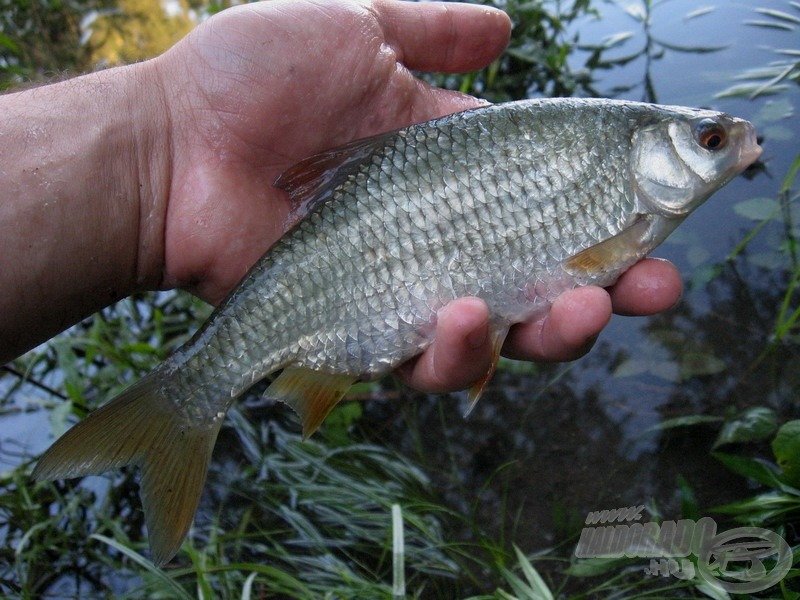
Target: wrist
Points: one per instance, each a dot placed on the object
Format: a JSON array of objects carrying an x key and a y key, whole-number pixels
[
  {"x": 85, "y": 163},
  {"x": 151, "y": 162}
]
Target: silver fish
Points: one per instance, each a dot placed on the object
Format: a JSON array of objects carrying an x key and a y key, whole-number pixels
[{"x": 513, "y": 203}]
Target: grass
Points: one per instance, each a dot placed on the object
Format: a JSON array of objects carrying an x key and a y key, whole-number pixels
[{"x": 781, "y": 74}]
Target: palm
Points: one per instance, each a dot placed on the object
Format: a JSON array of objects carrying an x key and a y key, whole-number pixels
[{"x": 337, "y": 81}]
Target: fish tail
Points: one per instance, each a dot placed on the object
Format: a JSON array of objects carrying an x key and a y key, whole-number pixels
[{"x": 142, "y": 427}]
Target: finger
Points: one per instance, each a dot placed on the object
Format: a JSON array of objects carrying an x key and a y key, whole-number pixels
[
  {"x": 566, "y": 332},
  {"x": 650, "y": 286},
  {"x": 443, "y": 36},
  {"x": 461, "y": 353}
]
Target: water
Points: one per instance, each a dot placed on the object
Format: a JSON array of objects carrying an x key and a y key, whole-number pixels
[{"x": 548, "y": 444}]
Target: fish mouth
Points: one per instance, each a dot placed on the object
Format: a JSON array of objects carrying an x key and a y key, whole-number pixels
[{"x": 750, "y": 150}]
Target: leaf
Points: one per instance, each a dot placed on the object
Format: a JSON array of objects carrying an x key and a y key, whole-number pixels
[
  {"x": 9, "y": 44},
  {"x": 749, "y": 467},
  {"x": 59, "y": 418},
  {"x": 636, "y": 11},
  {"x": 615, "y": 40},
  {"x": 692, "y": 49},
  {"x": 755, "y": 424},
  {"x": 591, "y": 567},
  {"x": 786, "y": 447},
  {"x": 757, "y": 209},
  {"x": 703, "y": 10},
  {"x": 247, "y": 588},
  {"x": 666, "y": 370},
  {"x": 770, "y": 24},
  {"x": 712, "y": 591},
  {"x": 779, "y": 14},
  {"x": 686, "y": 421},
  {"x": 538, "y": 587},
  {"x": 694, "y": 364},
  {"x": 148, "y": 566},
  {"x": 749, "y": 90},
  {"x": 788, "y": 181},
  {"x": 631, "y": 367},
  {"x": 689, "y": 506}
]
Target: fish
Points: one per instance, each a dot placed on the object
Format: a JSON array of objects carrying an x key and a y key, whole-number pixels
[{"x": 514, "y": 203}]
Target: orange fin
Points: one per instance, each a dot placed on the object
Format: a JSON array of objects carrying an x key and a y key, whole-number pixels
[
  {"x": 609, "y": 254},
  {"x": 311, "y": 394},
  {"x": 142, "y": 427},
  {"x": 498, "y": 336}
]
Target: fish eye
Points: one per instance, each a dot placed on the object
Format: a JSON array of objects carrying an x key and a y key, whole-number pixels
[{"x": 710, "y": 134}]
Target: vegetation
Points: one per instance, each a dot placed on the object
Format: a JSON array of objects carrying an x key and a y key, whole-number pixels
[
  {"x": 780, "y": 74},
  {"x": 325, "y": 518}
]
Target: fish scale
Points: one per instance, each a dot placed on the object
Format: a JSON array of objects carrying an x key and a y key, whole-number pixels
[{"x": 511, "y": 203}]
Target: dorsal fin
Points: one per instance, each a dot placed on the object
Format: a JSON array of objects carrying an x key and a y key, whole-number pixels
[{"x": 310, "y": 180}]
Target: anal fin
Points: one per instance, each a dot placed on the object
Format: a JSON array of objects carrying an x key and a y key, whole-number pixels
[
  {"x": 311, "y": 394},
  {"x": 497, "y": 336}
]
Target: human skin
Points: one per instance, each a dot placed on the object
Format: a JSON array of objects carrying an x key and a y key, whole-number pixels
[{"x": 159, "y": 175}]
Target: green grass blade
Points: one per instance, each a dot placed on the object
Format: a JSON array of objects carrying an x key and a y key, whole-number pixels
[
  {"x": 247, "y": 588},
  {"x": 398, "y": 554},
  {"x": 538, "y": 586},
  {"x": 788, "y": 181},
  {"x": 140, "y": 560}
]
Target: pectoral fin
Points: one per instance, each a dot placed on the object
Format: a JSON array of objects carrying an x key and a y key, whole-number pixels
[
  {"x": 311, "y": 394},
  {"x": 608, "y": 255},
  {"x": 497, "y": 336}
]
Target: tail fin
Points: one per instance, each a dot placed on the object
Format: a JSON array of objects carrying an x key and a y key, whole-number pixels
[{"x": 145, "y": 428}]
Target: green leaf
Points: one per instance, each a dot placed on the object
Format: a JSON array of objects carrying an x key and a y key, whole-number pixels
[
  {"x": 750, "y": 90},
  {"x": 755, "y": 424},
  {"x": 749, "y": 467},
  {"x": 712, "y": 591},
  {"x": 9, "y": 44},
  {"x": 757, "y": 209},
  {"x": 694, "y": 364},
  {"x": 686, "y": 421},
  {"x": 631, "y": 367},
  {"x": 148, "y": 566},
  {"x": 788, "y": 181},
  {"x": 59, "y": 418},
  {"x": 689, "y": 506},
  {"x": 786, "y": 447},
  {"x": 591, "y": 567},
  {"x": 538, "y": 587}
]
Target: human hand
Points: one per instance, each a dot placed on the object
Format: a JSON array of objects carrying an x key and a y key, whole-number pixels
[
  {"x": 248, "y": 97},
  {"x": 461, "y": 354},
  {"x": 261, "y": 86}
]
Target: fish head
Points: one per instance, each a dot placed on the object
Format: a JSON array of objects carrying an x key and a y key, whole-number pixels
[{"x": 686, "y": 155}]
